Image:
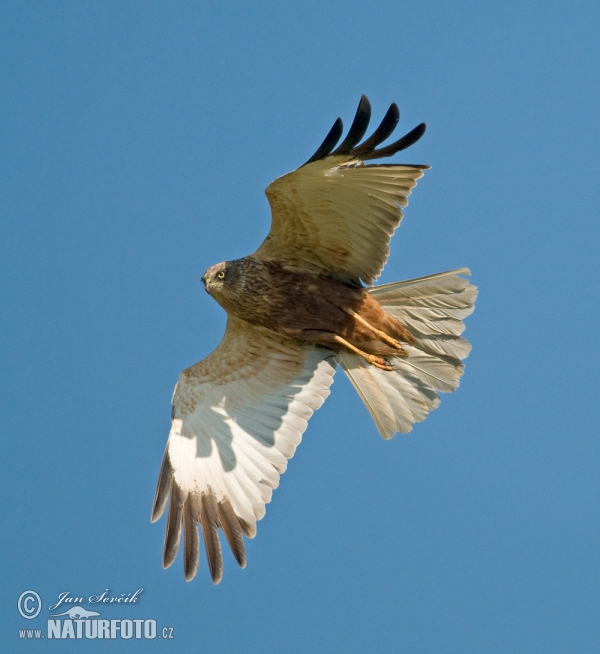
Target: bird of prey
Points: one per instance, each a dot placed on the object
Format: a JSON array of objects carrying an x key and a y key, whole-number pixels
[{"x": 302, "y": 304}]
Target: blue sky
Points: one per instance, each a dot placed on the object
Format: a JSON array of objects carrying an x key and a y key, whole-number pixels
[{"x": 136, "y": 140}]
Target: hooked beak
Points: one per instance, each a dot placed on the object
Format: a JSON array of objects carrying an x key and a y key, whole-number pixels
[{"x": 205, "y": 282}]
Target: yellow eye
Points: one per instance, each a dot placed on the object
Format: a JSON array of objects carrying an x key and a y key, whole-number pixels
[{"x": 221, "y": 275}]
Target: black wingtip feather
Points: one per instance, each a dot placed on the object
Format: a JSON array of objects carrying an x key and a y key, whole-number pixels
[
  {"x": 210, "y": 514},
  {"x": 233, "y": 531},
  {"x": 357, "y": 129},
  {"x": 191, "y": 541},
  {"x": 385, "y": 129},
  {"x": 209, "y": 522},
  {"x": 367, "y": 150},
  {"x": 173, "y": 531},
  {"x": 162, "y": 488},
  {"x": 329, "y": 143},
  {"x": 401, "y": 144}
]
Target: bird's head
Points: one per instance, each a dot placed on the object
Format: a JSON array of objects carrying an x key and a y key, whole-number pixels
[
  {"x": 223, "y": 280},
  {"x": 215, "y": 278}
]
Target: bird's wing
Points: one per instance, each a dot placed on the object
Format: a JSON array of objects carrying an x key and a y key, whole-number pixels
[
  {"x": 337, "y": 215},
  {"x": 238, "y": 416}
]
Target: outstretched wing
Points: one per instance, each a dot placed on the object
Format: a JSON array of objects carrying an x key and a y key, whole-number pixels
[
  {"x": 238, "y": 416},
  {"x": 336, "y": 214}
]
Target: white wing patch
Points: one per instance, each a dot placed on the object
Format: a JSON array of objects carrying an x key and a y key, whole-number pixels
[{"x": 226, "y": 452}]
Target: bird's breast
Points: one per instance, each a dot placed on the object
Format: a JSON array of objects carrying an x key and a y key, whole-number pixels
[{"x": 290, "y": 302}]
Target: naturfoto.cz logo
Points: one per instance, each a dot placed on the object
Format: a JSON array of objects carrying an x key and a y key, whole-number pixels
[{"x": 76, "y": 622}]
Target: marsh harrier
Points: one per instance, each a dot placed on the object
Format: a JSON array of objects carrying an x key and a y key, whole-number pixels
[{"x": 299, "y": 306}]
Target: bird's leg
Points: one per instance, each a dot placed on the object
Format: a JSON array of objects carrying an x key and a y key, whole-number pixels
[
  {"x": 378, "y": 362},
  {"x": 381, "y": 335}
]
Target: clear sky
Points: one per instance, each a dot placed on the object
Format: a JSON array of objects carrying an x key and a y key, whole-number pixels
[{"x": 136, "y": 141}]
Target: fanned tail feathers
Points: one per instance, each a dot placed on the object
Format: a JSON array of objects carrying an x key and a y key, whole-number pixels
[{"x": 433, "y": 309}]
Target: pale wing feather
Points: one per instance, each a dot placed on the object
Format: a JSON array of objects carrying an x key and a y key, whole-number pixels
[
  {"x": 396, "y": 400},
  {"x": 433, "y": 309},
  {"x": 337, "y": 216},
  {"x": 238, "y": 416}
]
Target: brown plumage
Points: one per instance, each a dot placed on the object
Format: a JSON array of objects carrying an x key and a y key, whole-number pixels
[
  {"x": 304, "y": 306},
  {"x": 297, "y": 307}
]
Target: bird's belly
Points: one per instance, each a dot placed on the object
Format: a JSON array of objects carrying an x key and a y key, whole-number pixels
[
  {"x": 308, "y": 310},
  {"x": 317, "y": 312},
  {"x": 314, "y": 309}
]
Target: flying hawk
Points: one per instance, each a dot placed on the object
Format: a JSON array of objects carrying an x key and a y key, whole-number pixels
[{"x": 297, "y": 307}]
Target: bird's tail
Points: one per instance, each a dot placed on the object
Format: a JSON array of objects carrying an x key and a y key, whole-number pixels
[{"x": 432, "y": 308}]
